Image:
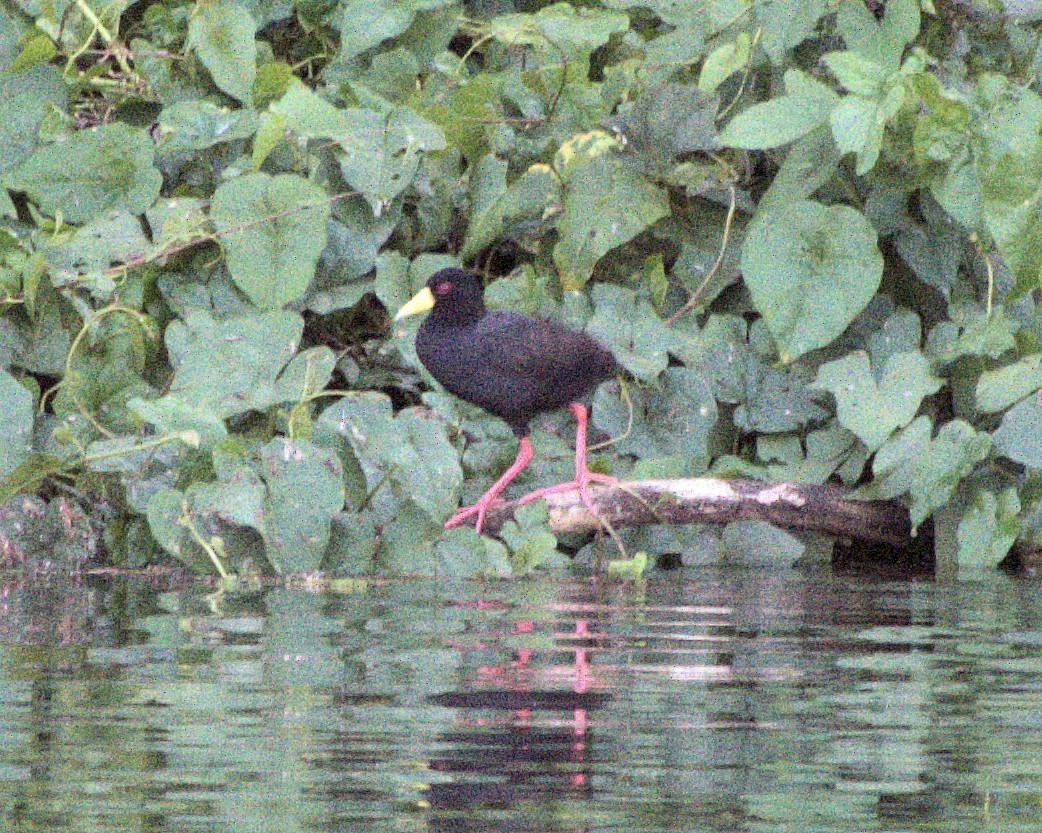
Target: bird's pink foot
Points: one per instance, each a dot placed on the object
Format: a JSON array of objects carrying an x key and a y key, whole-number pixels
[
  {"x": 479, "y": 509},
  {"x": 524, "y": 456},
  {"x": 580, "y": 485},
  {"x": 583, "y": 476}
]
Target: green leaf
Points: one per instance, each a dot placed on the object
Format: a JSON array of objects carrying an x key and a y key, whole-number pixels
[
  {"x": 465, "y": 112},
  {"x": 309, "y": 115},
  {"x": 769, "y": 399},
  {"x": 804, "y": 108},
  {"x": 1019, "y": 436},
  {"x": 171, "y": 414},
  {"x": 177, "y": 221},
  {"x": 813, "y": 458},
  {"x": 973, "y": 331},
  {"x": 873, "y": 409},
  {"x": 950, "y": 457},
  {"x": 407, "y": 543},
  {"x": 273, "y": 229},
  {"x": 462, "y": 552},
  {"x": 883, "y": 42},
  {"x": 723, "y": 62},
  {"x": 31, "y": 474},
  {"x": 391, "y": 76},
  {"x": 426, "y": 463},
  {"x": 230, "y": 366},
  {"x": 14, "y": 26},
  {"x": 1000, "y": 388},
  {"x": 901, "y": 332},
  {"x": 857, "y": 128},
  {"x": 488, "y": 185},
  {"x": 669, "y": 120},
  {"x": 673, "y": 418},
  {"x": 307, "y": 373},
  {"x": 382, "y": 151},
  {"x": 118, "y": 454},
  {"x": 895, "y": 464},
  {"x": 352, "y": 545},
  {"x": 628, "y": 325},
  {"x": 935, "y": 249},
  {"x": 164, "y": 514},
  {"x": 682, "y": 46},
  {"x": 943, "y": 129},
  {"x": 222, "y": 35},
  {"x": 628, "y": 569},
  {"x": 605, "y": 205},
  {"x": 929, "y": 470},
  {"x": 217, "y": 297},
  {"x": 530, "y": 542},
  {"x": 16, "y": 423},
  {"x": 35, "y": 50},
  {"x": 368, "y": 23},
  {"x": 411, "y": 449},
  {"x": 186, "y": 127},
  {"x": 982, "y": 150},
  {"x": 25, "y": 100},
  {"x": 1016, "y": 228},
  {"x": 305, "y": 490},
  {"x": 860, "y": 75},
  {"x": 271, "y": 132},
  {"x": 578, "y": 30},
  {"x": 236, "y": 497},
  {"x": 354, "y": 240},
  {"x": 273, "y": 79},
  {"x": 987, "y": 531},
  {"x": 91, "y": 257},
  {"x": 901, "y": 22},
  {"x": 559, "y": 28},
  {"x": 787, "y": 23},
  {"x": 810, "y": 270},
  {"x": 431, "y": 33},
  {"x": 90, "y": 172},
  {"x": 495, "y": 206}
]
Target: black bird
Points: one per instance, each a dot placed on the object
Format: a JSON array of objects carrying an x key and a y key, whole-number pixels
[{"x": 513, "y": 366}]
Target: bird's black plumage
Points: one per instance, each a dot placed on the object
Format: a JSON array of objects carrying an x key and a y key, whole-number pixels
[{"x": 513, "y": 366}]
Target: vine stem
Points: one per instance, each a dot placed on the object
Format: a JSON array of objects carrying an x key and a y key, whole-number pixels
[
  {"x": 693, "y": 300},
  {"x": 139, "y": 317},
  {"x": 186, "y": 521},
  {"x": 991, "y": 274},
  {"x": 203, "y": 237},
  {"x": 117, "y": 49},
  {"x": 188, "y": 437}
]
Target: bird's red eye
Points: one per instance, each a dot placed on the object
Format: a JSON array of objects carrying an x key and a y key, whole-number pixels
[{"x": 443, "y": 288}]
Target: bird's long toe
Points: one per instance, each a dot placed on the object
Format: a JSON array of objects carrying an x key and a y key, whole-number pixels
[{"x": 479, "y": 508}]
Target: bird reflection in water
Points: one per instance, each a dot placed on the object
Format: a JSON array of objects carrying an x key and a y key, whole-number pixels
[{"x": 527, "y": 757}]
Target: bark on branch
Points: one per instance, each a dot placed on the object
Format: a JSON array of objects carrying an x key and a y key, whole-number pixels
[{"x": 709, "y": 500}]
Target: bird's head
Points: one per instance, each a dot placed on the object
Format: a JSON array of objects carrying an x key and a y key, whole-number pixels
[{"x": 454, "y": 294}]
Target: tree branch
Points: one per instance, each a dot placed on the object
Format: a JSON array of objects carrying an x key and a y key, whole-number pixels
[{"x": 708, "y": 500}]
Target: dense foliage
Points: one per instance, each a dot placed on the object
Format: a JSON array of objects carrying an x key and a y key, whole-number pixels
[{"x": 809, "y": 231}]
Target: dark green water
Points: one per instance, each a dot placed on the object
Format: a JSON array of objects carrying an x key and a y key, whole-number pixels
[{"x": 710, "y": 700}]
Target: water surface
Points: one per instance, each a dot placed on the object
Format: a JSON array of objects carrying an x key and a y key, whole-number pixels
[{"x": 699, "y": 700}]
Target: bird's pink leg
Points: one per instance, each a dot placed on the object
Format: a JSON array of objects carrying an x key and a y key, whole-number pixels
[
  {"x": 583, "y": 476},
  {"x": 524, "y": 457}
]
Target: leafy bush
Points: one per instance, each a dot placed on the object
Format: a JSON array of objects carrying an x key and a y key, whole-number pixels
[{"x": 810, "y": 231}]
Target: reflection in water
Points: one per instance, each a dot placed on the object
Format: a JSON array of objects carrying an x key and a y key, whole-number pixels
[{"x": 712, "y": 700}]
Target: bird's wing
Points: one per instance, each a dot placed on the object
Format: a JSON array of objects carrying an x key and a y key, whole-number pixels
[{"x": 534, "y": 348}]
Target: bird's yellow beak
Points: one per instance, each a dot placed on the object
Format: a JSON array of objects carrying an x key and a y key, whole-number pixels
[{"x": 420, "y": 302}]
